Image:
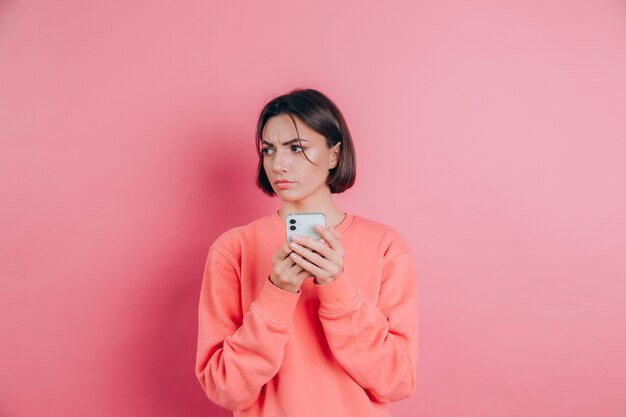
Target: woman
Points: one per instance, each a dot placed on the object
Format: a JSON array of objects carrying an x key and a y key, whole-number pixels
[{"x": 307, "y": 328}]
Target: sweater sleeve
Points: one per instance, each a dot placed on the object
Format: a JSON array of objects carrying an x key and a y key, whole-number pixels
[
  {"x": 238, "y": 353},
  {"x": 375, "y": 343}
]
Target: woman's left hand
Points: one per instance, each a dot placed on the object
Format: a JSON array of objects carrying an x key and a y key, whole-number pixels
[{"x": 323, "y": 260}]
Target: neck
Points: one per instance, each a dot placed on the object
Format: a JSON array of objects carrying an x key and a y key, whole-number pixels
[{"x": 320, "y": 204}]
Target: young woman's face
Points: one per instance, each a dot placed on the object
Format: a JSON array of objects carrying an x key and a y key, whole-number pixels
[{"x": 293, "y": 177}]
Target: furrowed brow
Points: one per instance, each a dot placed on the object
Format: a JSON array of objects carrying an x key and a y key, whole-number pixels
[
  {"x": 295, "y": 140},
  {"x": 289, "y": 142}
]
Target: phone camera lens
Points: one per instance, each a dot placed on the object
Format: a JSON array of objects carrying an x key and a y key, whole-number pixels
[
  {"x": 292, "y": 221},
  {"x": 292, "y": 227}
]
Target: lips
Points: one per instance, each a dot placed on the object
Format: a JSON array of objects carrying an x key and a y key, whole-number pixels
[{"x": 283, "y": 184}]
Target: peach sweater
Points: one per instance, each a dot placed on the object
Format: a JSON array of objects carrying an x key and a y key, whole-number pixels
[{"x": 340, "y": 349}]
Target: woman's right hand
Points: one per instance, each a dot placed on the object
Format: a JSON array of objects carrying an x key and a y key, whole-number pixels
[{"x": 286, "y": 274}]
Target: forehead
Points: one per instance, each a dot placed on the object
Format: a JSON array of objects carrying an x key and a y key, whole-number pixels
[{"x": 281, "y": 128}]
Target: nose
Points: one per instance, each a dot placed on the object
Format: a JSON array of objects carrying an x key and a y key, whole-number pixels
[{"x": 280, "y": 162}]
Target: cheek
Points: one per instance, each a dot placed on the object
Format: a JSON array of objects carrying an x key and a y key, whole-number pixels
[
  {"x": 266, "y": 166},
  {"x": 321, "y": 160},
  {"x": 318, "y": 171},
  {"x": 318, "y": 157}
]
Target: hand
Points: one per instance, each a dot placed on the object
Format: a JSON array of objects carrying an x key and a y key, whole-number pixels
[
  {"x": 321, "y": 258},
  {"x": 286, "y": 274}
]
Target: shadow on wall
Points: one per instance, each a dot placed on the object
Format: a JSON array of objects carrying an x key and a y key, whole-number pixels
[{"x": 227, "y": 197}]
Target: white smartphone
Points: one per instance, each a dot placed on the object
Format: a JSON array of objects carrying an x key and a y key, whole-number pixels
[{"x": 303, "y": 224}]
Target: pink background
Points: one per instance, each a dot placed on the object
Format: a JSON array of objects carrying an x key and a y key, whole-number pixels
[{"x": 490, "y": 133}]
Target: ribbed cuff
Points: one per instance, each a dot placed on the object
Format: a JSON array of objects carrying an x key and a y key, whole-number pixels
[
  {"x": 275, "y": 303},
  {"x": 337, "y": 295}
]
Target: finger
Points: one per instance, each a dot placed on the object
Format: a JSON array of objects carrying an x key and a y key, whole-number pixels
[
  {"x": 283, "y": 252},
  {"x": 318, "y": 246},
  {"x": 316, "y": 252},
  {"x": 311, "y": 268},
  {"x": 330, "y": 235},
  {"x": 296, "y": 270},
  {"x": 300, "y": 272},
  {"x": 328, "y": 267},
  {"x": 283, "y": 267}
]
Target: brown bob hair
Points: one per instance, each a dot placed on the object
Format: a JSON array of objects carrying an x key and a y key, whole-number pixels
[{"x": 319, "y": 113}]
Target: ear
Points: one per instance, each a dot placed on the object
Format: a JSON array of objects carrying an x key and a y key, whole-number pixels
[{"x": 335, "y": 151}]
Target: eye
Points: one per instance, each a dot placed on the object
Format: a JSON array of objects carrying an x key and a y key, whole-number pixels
[
  {"x": 296, "y": 148},
  {"x": 267, "y": 151}
]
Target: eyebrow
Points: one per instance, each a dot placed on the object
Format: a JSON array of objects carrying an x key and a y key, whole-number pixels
[{"x": 289, "y": 142}]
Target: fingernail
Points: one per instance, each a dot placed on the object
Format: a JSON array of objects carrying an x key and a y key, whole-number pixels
[{"x": 294, "y": 245}]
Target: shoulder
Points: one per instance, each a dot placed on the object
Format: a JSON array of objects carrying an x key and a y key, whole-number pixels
[
  {"x": 232, "y": 240},
  {"x": 390, "y": 241}
]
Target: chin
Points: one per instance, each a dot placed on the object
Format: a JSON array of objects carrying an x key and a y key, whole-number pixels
[
  {"x": 295, "y": 196},
  {"x": 288, "y": 195}
]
